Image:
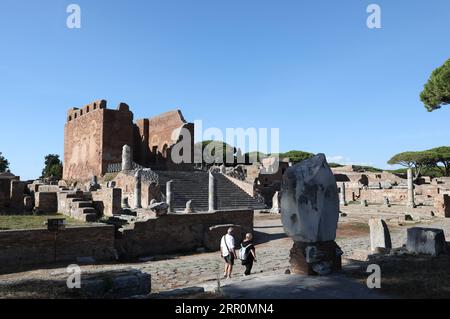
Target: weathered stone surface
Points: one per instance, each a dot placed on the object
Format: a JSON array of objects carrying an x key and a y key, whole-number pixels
[
  {"x": 276, "y": 209},
  {"x": 442, "y": 205},
  {"x": 320, "y": 258},
  {"x": 160, "y": 209},
  {"x": 429, "y": 241},
  {"x": 93, "y": 139},
  {"x": 342, "y": 195},
  {"x": 28, "y": 203},
  {"x": 108, "y": 201},
  {"x": 212, "y": 193},
  {"x": 410, "y": 189},
  {"x": 189, "y": 207},
  {"x": 380, "y": 236},
  {"x": 117, "y": 284},
  {"x": 46, "y": 202},
  {"x": 364, "y": 203},
  {"x": 309, "y": 201},
  {"x": 127, "y": 159}
]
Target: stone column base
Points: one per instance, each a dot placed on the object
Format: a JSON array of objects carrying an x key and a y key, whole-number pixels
[{"x": 318, "y": 258}]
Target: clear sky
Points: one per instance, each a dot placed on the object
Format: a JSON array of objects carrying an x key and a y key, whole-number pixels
[{"x": 311, "y": 68}]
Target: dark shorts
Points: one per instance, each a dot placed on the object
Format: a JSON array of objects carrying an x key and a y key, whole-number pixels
[{"x": 229, "y": 259}]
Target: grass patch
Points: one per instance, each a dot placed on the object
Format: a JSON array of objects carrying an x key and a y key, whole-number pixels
[{"x": 14, "y": 222}]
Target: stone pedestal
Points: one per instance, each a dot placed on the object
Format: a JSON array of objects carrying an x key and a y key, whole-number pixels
[
  {"x": 310, "y": 214},
  {"x": 320, "y": 258}
]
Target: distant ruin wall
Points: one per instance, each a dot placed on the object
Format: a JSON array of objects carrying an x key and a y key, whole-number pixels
[
  {"x": 93, "y": 138},
  {"x": 177, "y": 232},
  {"x": 27, "y": 248}
]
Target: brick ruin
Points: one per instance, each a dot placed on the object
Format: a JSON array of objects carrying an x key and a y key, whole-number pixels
[{"x": 94, "y": 136}]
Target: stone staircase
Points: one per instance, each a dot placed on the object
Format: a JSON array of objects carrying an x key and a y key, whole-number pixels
[
  {"x": 79, "y": 205},
  {"x": 193, "y": 185}
]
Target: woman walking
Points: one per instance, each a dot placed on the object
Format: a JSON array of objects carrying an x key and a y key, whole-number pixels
[{"x": 248, "y": 254}]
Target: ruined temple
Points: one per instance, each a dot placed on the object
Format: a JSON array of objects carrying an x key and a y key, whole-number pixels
[{"x": 94, "y": 136}]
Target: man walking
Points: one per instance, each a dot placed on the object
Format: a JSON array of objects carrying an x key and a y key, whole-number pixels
[{"x": 227, "y": 247}]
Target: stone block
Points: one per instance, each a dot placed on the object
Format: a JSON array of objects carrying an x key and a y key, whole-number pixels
[
  {"x": 46, "y": 201},
  {"x": 379, "y": 234},
  {"x": 428, "y": 241},
  {"x": 442, "y": 205},
  {"x": 310, "y": 201}
]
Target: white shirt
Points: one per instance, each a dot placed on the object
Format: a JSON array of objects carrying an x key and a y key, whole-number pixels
[{"x": 229, "y": 242}]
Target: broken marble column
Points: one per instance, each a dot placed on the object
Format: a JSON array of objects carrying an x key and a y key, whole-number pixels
[
  {"x": 276, "y": 203},
  {"x": 189, "y": 208},
  {"x": 342, "y": 198},
  {"x": 138, "y": 189},
  {"x": 410, "y": 189},
  {"x": 310, "y": 213},
  {"x": 169, "y": 196},
  {"x": 28, "y": 203},
  {"x": 212, "y": 193},
  {"x": 380, "y": 237},
  {"x": 127, "y": 160}
]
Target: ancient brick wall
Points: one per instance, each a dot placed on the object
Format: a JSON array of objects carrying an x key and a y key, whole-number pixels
[
  {"x": 93, "y": 138},
  {"x": 177, "y": 232},
  {"x": 154, "y": 138},
  {"x": 118, "y": 130},
  {"x": 28, "y": 248}
]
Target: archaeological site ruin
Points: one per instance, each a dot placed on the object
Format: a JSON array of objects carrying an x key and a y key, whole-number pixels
[{"x": 213, "y": 158}]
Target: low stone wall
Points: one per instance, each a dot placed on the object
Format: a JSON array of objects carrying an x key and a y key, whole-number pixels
[
  {"x": 377, "y": 195},
  {"x": 21, "y": 249},
  {"x": 175, "y": 233}
]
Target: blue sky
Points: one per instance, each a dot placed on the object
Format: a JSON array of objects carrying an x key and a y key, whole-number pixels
[{"x": 311, "y": 68}]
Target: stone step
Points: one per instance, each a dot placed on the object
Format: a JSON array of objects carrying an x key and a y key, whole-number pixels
[
  {"x": 83, "y": 204},
  {"x": 194, "y": 186}
]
